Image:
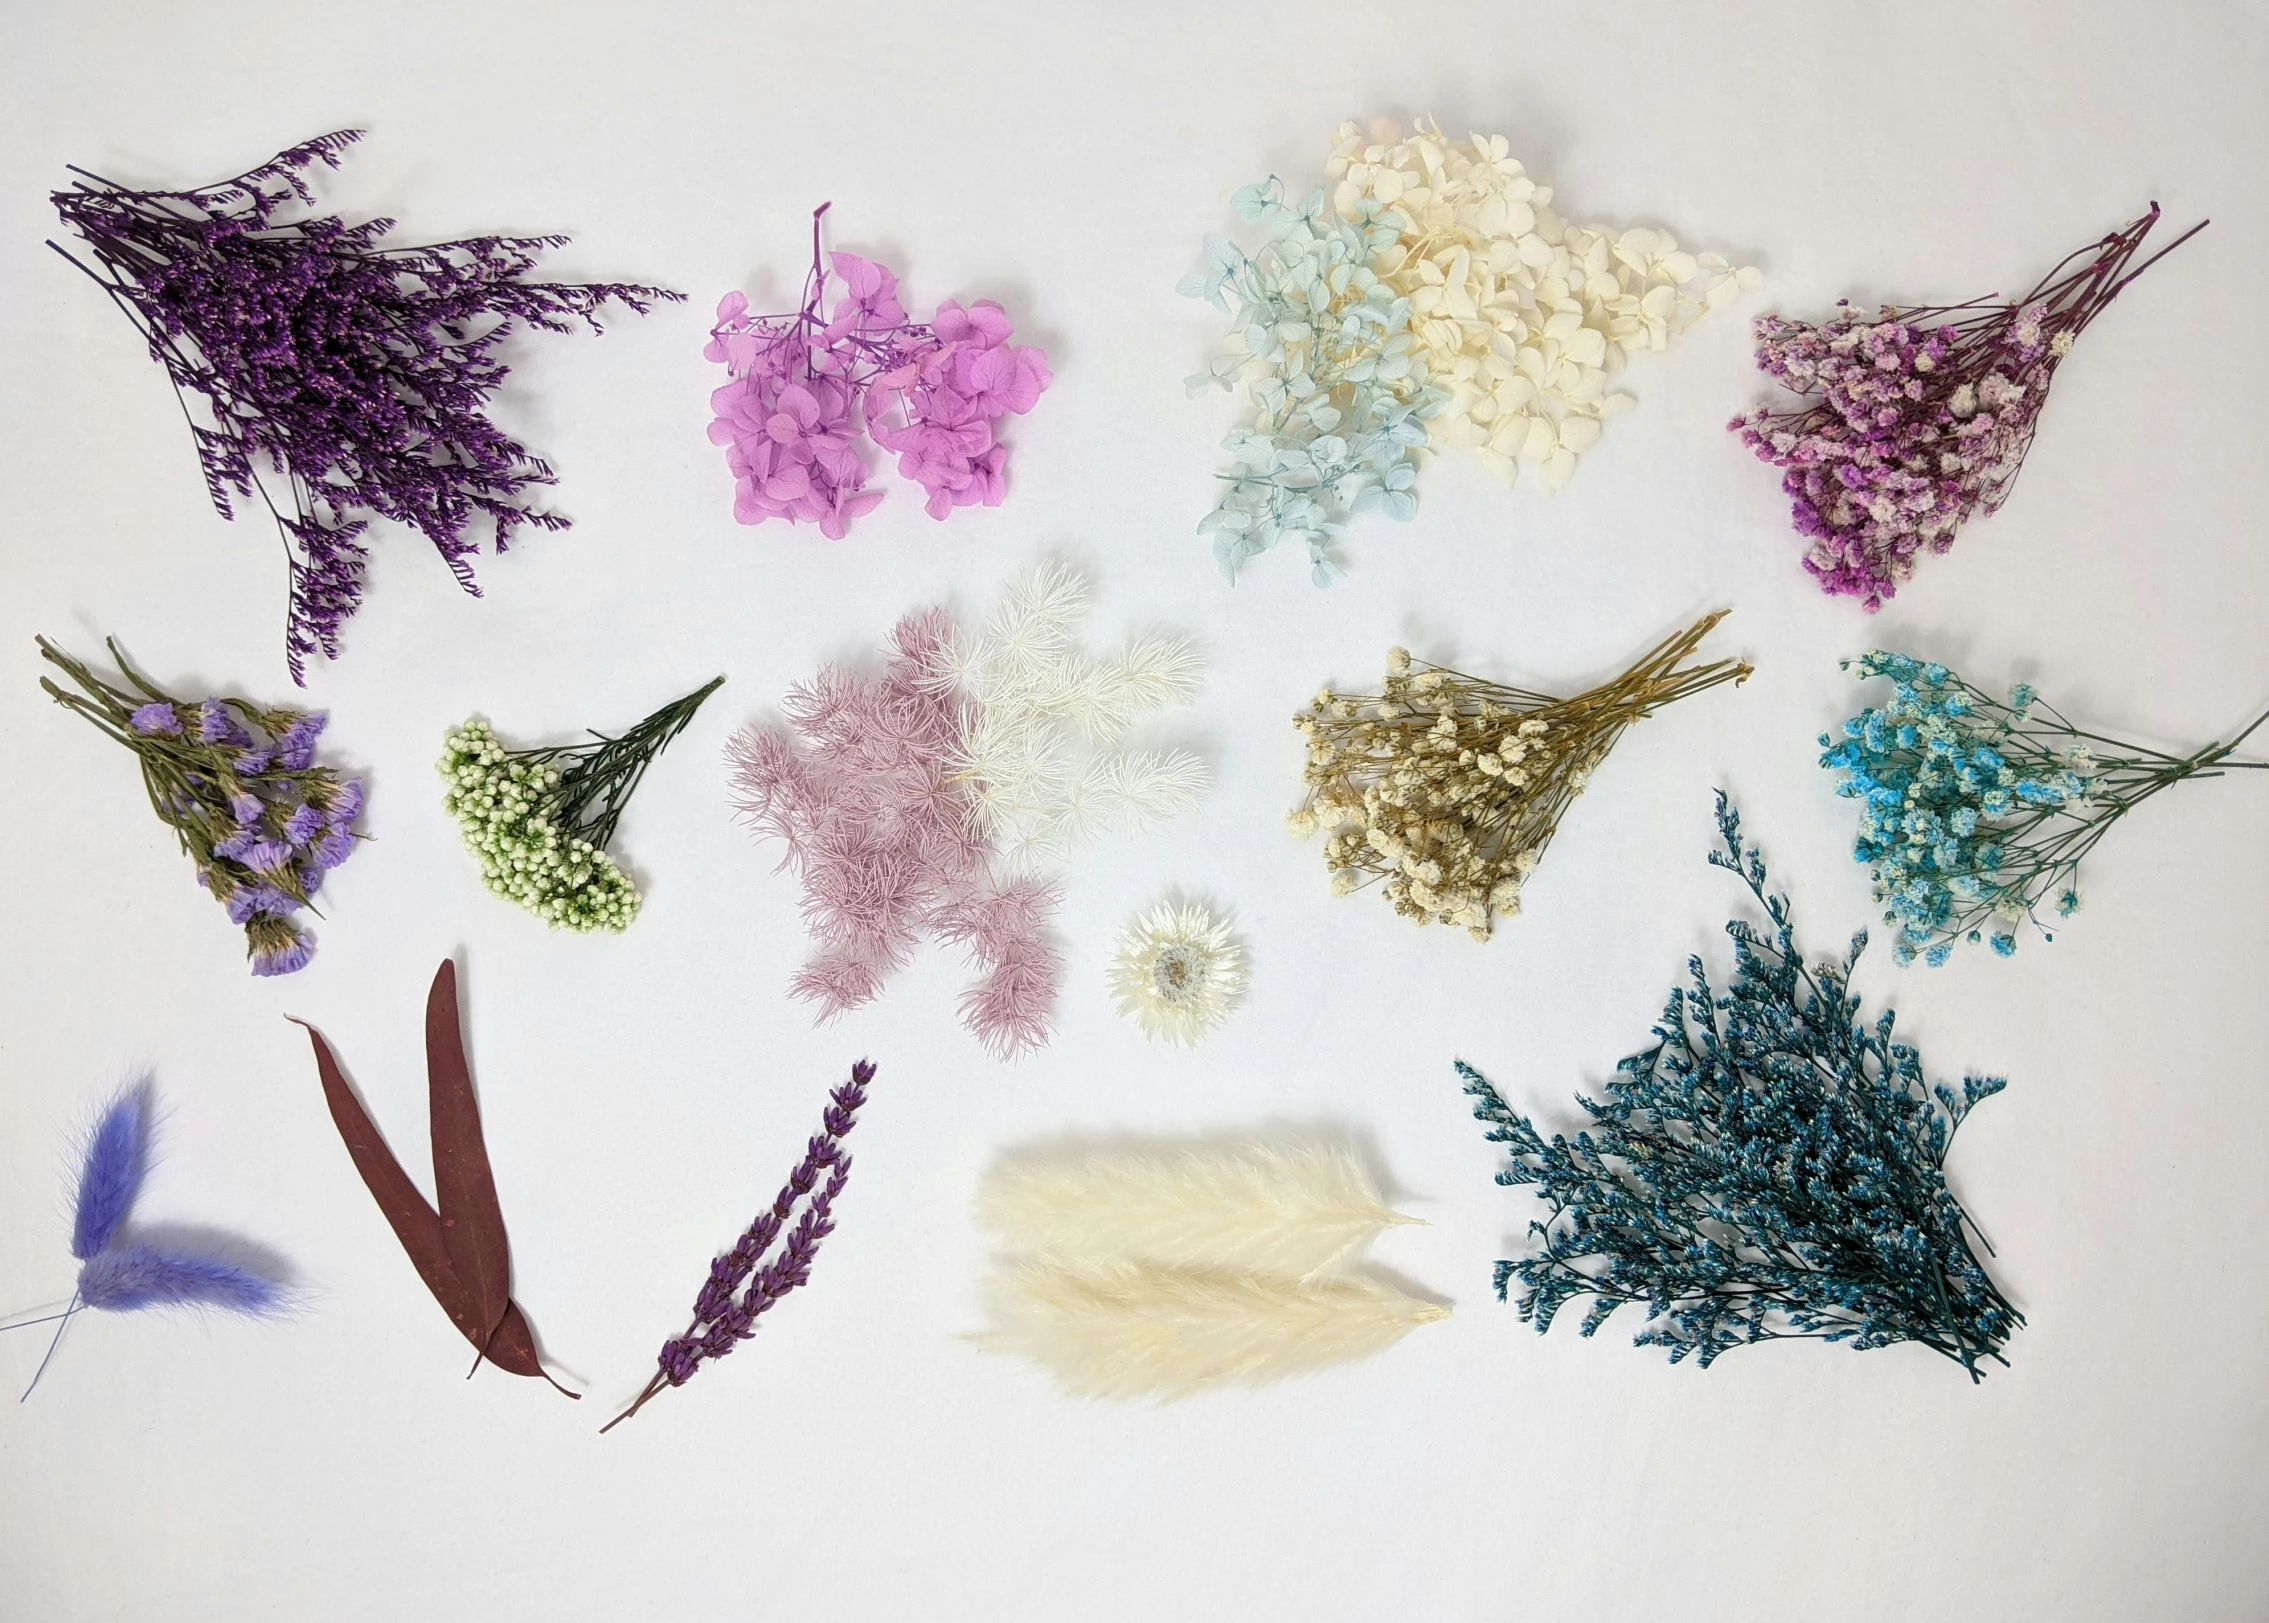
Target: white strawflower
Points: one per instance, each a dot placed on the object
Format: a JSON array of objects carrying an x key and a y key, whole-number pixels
[{"x": 1176, "y": 971}]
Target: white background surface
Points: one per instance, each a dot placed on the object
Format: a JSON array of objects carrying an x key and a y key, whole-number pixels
[{"x": 643, "y": 1094}]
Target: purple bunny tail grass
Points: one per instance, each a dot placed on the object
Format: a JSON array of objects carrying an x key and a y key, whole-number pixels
[
  {"x": 720, "y": 1321},
  {"x": 129, "y": 1278},
  {"x": 118, "y": 1154}
]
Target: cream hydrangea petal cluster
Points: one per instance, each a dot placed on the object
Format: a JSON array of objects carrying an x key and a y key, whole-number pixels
[
  {"x": 498, "y": 803},
  {"x": 1520, "y": 314},
  {"x": 1043, "y": 721}
]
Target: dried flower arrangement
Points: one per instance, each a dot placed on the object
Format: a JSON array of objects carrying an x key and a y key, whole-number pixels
[
  {"x": 738, "y": 1292},
  {"x": 1438, "y": 299},
  {"x": 1975, "y": 813},
  {"x": 916, "y": 801},
  {"x": 805, "y": 382},
  {"x": 238, "y": 785},
  {"x": 461, "y": 1251},
  {"x": 1919, "y": 416},
  {"x": 122, "y": 1273},
  {"x": 361, "y": 374},
  {"x": 1131, "y": 1273},
  {"x": 1770, "y": 1168},
  {"x": 1176, "y": 972},
  {"x": 1446, "y": 789},
  {"x": 541, "y": 828}
]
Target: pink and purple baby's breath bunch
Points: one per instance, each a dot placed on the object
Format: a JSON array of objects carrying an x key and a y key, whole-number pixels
[
  {"x": 807, "y": 383},
  {"x": 358, "y": 374},
  {"x": 1918, "y": 417},
  {"x": 739, "y": 1291},
  {"x": 239, "y": 787}
]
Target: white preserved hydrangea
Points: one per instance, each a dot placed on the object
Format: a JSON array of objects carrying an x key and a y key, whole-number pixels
[
  {"x": 500, "y": 806},
  {"x": 1519, "y": 314}
]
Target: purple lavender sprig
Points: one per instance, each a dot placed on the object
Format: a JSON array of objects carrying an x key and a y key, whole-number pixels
[
  {"x": 360, "y": 374},
  {"x": 725, "y": 1313},
  {"x": 1917, "y": 418}
]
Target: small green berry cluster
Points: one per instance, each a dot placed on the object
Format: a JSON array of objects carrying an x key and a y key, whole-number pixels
[{"x": 506, "y": 808}]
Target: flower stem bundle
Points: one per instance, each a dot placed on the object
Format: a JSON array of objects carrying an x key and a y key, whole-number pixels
[
  {"x": 362, "y": 373},
  {"x": 738, "y": 1291},
  {"x": 1975, "y": 813},
  {"x": 1446, "y": 789},
  {"x": 238, "y": 785},
  {"x": 1919, "y": 416},
  {"x": 1770, "y": 1168},
  {"x": 540, "y": 820}
]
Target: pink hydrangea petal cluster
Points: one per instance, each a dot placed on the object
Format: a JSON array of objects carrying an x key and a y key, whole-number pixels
[
  {"x": 1919, "y": 418},
  {"x": 862, "y": 791},
  {"x": 805, "y": 386}
]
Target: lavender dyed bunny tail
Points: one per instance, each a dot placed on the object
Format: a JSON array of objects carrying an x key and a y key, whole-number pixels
[
  {"x": 121, "y": 1275},
  {"x": 127, "y": 1278},
  {"x": 118, "y": 1153}
]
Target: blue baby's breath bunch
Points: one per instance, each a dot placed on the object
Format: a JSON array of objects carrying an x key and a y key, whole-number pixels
[
  {"x": 1975, "y": 813},
  {"x": 1339, "y": 400},
  {"x": 1770, "y": 1168}
]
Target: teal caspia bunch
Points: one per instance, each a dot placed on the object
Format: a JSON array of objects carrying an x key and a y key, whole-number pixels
[
  {"x": 1975, "y": 813},
  {"x": 1772, "y": 1167}
]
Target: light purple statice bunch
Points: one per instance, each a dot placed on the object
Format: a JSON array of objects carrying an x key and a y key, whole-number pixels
[
  {"x": 806, "y": 384},
  {"x": 738, "y": 1292},
  {"x": 1919, "y": 417},
  {"x": 358, "y": 373},
  {"x": 239, "y": 787}
]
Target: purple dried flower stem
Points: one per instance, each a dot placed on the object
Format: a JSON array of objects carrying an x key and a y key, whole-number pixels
[{"x": 724, "y": 1315}]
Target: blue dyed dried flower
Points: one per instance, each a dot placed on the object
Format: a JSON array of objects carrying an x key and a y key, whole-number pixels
[
  {"x": 359, "y": 373},
  {"x": 1770, "y": 1168},
  {"x": 1974, "y": 814}
]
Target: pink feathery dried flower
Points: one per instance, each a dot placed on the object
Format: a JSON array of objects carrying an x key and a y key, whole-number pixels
[{"x": 863, "y": 793}]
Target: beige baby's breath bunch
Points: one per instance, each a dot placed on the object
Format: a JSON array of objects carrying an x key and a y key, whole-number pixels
[
  {"x": 1446, "y": 789},
  {"x": 1519, "y": 314}
]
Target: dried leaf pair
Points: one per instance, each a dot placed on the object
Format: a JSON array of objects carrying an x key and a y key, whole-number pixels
[
  {"x": 460, "y": 1251},
  {"x": 1132, "y": 1273}
]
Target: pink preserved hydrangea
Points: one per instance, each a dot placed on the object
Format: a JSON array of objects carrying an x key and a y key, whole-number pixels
[{"x": 805, "y": 386}]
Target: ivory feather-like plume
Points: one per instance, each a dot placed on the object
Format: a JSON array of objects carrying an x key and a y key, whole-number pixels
[
  {"x": 1292, "y": 1211},
  {"x": 1134, "y": 1273},
  {"x": 1136, "y": 1329}
]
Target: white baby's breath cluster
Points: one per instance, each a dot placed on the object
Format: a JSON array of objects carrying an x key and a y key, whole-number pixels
[
  {"x": 500, "y": 807},
  {"x": 1421, "y": 787},
  {"x": 1518, "y": 313},
  {"x": 1038, "y": 744}
]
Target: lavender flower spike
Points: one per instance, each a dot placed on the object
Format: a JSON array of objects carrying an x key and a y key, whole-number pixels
[{"x": 723, "y": 1314}]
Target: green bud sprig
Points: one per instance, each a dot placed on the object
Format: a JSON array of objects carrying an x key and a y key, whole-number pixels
[{"x": 539, "y": 820}]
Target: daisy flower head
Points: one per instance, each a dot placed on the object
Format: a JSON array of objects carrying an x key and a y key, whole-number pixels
[{"x": 1176, "y": 972}]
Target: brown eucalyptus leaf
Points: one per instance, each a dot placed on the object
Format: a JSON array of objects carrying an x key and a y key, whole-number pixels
[{"x": 472, "y": 1223}]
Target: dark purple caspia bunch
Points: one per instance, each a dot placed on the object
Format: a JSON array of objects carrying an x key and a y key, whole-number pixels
[
  {"x": 738, "y": 1291},
  {"x": 359, "y": 374},
  {"x": 1919, "y": 416}
]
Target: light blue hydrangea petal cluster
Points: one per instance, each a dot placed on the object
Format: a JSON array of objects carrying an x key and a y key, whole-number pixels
[{"x": 1323, "y": 347}]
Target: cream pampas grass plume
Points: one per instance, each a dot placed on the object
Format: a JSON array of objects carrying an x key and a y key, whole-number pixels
[
  {"x": 1136, "y": 1329},
  {"x": 1162, "y": 1273},
  {"x": 1292, "y": 1211},
  {"x": 1176, "y": 971}
]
